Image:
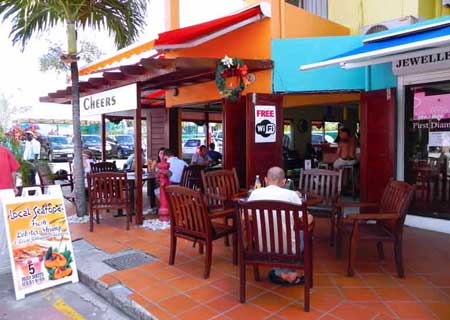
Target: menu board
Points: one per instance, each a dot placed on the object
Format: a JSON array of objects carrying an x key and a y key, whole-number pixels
[{"x": 38, "y": 236}]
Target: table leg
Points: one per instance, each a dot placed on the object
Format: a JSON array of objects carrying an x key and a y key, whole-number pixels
[
  {"x": 131, "y": 190},
  {"x": 151, "y": 184}
]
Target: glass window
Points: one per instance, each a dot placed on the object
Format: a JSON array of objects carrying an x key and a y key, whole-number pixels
[
  {"x": 427, "y": 147},
  {"x": 216, "y": 135},
  {"x": 324, "y": 132},
  {"x": 192, "y": 136},
  {"x": 287, "y": 134}
]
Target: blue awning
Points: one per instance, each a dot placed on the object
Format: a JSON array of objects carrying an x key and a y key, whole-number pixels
[{"x": 391, "y": 46}]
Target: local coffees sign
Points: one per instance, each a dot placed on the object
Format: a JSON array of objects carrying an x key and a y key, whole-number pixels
[
  {"x": 38, "y": 237},
  {"x": 265, "y": 124},
  {"x": 119, "y": 99},
  {"x": 422, "y": 62}
]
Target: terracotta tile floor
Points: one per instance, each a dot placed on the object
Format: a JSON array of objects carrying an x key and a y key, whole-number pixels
[{"x": 375, "y": 292}]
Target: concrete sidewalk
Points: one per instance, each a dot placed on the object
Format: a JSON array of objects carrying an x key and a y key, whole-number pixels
[{"x": 69, "y": 301}]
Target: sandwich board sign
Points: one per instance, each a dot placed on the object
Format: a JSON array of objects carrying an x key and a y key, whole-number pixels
[{"x": 38, "y": 237}]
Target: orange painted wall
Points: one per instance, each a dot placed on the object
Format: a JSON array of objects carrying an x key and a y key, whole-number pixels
[
  {"x": 302, "y": 100},
  {"x": 252, "y": 42},
  {"x": 300, "y": 23},
  {"x": 249, "y": 42}
]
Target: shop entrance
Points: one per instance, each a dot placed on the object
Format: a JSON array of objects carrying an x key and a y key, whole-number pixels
[{"x": 427, "y": 147}]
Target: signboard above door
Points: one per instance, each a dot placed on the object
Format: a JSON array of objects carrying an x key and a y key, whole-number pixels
[
  {"x": 422, "y": 61},
  {"x": 118, "y": 99}
]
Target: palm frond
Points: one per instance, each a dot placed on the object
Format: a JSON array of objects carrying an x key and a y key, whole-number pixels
[
  {"x": 30, "y": 16},
  {"x": 123, "y": 19}
]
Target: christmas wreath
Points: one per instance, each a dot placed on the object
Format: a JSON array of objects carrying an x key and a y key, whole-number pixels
[{"x": 231, "y": 67}]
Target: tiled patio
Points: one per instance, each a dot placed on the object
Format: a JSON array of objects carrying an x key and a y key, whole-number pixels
[{"x": 180, "y": 292}]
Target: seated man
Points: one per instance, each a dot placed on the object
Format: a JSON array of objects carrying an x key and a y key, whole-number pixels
[
  {"x": 215, "y": 156},
  {"x": 346, "y": 152},
  {"x": 274, "y": 190},
  {"x": 176, "y": 166},
  {"x": 129, "y": 164},
  {"x": 201, "y": 157}
]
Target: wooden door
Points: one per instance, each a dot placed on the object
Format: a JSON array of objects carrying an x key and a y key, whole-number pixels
[
  {"x": 377, "y": 121},
  {"x": 261, "y": 155}
]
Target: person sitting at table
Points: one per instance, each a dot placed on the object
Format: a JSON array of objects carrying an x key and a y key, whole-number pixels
[
  {"x": 176, "y": 166},
  {"x": 346, "y": 151},
  {"x": 274, "y": 190},
  {"x": 129, "y": 164},
  {"x": 215, "y": 156},
  {"x": 201, "y": 157}
]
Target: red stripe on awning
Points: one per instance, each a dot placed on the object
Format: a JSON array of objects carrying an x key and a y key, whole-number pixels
[
  {"x": 155, "y": 94},
  {"x": 203, "y": 29}
]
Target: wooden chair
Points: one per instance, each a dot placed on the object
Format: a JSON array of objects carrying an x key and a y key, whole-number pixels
[
  {"x": 191, "y": 177},
  {"x": 190, "y": 219},
  {"x": 108, "y": 191},
  {"x": 221, "y": 189},
  {"x": 103, "y": 167},
  {"x": 47, "y": 177},
  {"x": 389, "y": 215},
  {"x": 328, "y": 185},
  {"x": 269, "y": 235}
]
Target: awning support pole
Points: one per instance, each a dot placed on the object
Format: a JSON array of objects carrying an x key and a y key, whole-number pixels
[
  {"x": 103, "y": 133},
  {"x": 138, "y": 157}
]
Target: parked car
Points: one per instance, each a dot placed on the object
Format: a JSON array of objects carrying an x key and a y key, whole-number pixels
[
  {"x": 93, "y": 143},
  {"x": 56, "y": 148},
  {"x": 218, "y": 140},
  {"x": 124, "y": 145},
  {"x": 191, "y": 146}
]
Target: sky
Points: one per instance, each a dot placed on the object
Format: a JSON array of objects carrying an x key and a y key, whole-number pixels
[{"x": 21, "y": 78}]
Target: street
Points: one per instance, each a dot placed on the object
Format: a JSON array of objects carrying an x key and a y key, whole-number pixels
[{"x": 69, "y": 301}]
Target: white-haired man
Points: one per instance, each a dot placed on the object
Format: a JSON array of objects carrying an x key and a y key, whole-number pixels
[{"x": 274, "y": 190}]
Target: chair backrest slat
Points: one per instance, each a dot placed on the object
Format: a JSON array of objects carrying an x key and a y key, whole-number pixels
[
  {"x": 396, "y": 198},
  {"x": 221, "y": 183},
  {"x": 325, "y": 183},
  {"x": 108, "y": 190},
  {"x": 188, "y": 211},
  {"x": 103, "y": 167},
  {"x": 191, "y": 177},
  {"x": 271, "y": 230}
]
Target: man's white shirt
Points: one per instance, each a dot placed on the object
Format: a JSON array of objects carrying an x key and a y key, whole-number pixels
[
  {"x": 32, "y": 148},
  {"x": 176, "y": 167},
  {"x": 275, "y": 193}
]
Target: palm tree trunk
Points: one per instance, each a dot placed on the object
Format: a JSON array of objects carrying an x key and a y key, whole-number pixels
[{"x": 78, "y": 171}]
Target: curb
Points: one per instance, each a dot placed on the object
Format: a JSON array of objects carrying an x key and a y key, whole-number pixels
[{"x": 116, "y": 295}]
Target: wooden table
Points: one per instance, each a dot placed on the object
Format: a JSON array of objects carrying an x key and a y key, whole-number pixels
[
  {"x": 151, "y": 184},
  {"x": 312, "y": 199}
]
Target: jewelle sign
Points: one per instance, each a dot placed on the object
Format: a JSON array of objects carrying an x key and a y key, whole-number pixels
[
  {"x": 118, "y": 99},
  {"x": 424, "y": 61},
  {"x": 38, "y": 237}
]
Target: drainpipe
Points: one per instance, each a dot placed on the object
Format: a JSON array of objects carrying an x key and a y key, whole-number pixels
[{"x": 437, "y": 8}]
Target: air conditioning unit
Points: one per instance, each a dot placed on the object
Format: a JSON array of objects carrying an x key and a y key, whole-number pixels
[
  {"x": 391, "y": 24},
  {"x": 446, "y": 3}
]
